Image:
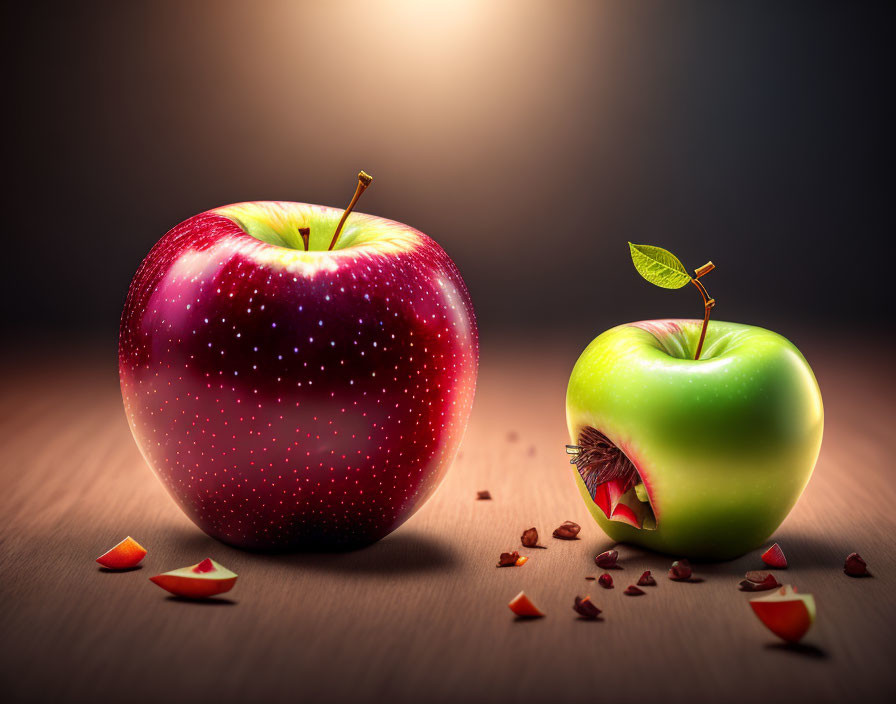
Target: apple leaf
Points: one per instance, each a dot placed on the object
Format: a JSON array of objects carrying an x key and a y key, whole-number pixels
[{"x": 659, "y": 266}]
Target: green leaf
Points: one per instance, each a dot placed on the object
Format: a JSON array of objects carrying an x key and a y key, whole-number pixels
[{"x": 659, "y": 266}]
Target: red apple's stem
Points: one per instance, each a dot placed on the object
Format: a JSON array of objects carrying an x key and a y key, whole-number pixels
[
  {"x": 708, "y": 302},
  {"x": 364, "y": 180},
  {"x": 305, "y": 234}
]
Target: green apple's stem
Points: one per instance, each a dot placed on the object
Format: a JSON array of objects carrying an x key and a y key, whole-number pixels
[
  {"x": 305, "y": 234},
  {"x": 708, "y": 302},
  {"x": 364, "y": 180}
]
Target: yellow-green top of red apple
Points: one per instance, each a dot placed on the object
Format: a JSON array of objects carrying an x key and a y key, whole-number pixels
[{"x": 278, "y": 223}]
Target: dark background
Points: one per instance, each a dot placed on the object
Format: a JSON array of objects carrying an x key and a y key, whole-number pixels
[{"x": 532, "y": 140}]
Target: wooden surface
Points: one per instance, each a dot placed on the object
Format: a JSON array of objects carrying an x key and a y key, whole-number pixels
[{"x": 422, "y": 616}]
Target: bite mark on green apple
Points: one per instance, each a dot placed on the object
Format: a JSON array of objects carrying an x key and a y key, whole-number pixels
[{"x": 613, "y": 480}]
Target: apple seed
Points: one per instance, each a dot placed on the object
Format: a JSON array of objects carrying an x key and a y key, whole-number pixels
[
  {"x": 567, "y": 531},
  {"x": 606, "y": 581},
  {"x": 632, "y": 590},
  {"x": 529, "y": 539},
  {"x": 607, "y": 560}
]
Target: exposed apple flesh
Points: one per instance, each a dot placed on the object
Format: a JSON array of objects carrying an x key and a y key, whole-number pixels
[
  {"x": 198, "y": 581},
  {"x": 786, "y": 613},
  {"x": 612, "y": 480},
  {"x": 128, "y": 553},
  {"x": 721, "y": 447},
  {"x": 292, "y": 399}
]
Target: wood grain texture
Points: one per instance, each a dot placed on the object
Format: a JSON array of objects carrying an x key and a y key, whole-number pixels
[{"x": 422, "y": 615}]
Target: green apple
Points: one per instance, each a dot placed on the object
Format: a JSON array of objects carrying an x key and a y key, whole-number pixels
[{"x": 696, "y": 457}]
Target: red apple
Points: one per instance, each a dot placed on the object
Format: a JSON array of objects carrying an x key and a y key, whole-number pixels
[{"x": 297, "y": 399}]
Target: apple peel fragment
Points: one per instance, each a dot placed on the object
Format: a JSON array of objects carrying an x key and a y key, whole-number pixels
[
  {"x": 199, "y": 581},
  {"x": 786, "y": 613},
  {"x": 127, "y": 554}
]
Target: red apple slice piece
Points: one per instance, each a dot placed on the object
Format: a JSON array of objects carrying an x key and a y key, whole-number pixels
[
  {"x": 785, "y": 613},
  {"x": 523, "y": 607},
  {"x": 128, "y": 553},
  {"x": 198, "y": 581},
  {"x": 774, "y": 557}
]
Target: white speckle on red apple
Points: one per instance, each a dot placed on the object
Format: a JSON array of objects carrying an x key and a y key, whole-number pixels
[{"x": 269, "y": 437}]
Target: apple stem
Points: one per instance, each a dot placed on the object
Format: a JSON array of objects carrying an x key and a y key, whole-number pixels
[
  {"x": 364, "y": 180},
  {"x": 708, "y": 302},
  {"x": 305, "y": 234}
]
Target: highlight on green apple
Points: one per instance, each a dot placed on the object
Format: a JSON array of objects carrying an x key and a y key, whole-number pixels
[{"x": 690, "y": 437}]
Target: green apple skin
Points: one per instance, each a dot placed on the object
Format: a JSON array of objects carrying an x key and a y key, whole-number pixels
[{"x": 724, "y": 445}]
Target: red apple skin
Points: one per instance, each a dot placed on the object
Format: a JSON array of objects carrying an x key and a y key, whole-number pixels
[
  {"x": 193, "y": 588},
  {"x": 789, "y": 620},
  {"x": 284, "y": 410}
]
